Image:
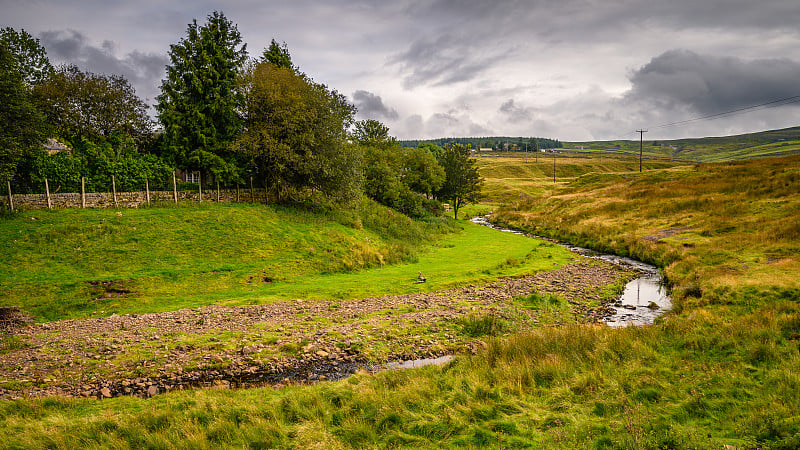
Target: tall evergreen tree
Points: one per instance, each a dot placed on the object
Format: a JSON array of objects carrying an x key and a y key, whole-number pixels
[
  {"x": 278, "y": 55},
  {"x": 199, "y": 104}
]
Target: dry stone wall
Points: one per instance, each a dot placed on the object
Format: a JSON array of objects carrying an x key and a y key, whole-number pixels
[{"x": 131, "y": 199}]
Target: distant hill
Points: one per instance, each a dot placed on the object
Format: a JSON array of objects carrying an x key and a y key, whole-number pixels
[
  {"x": 764, "y": 144},
  {"x": 497, "y": 143}
]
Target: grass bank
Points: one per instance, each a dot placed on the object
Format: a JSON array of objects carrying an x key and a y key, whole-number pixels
[
  {"x": 697, "y": 382},
  {"x": 92, "y": 263}
]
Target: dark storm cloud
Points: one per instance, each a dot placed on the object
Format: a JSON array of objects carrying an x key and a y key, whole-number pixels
[
  {"x": 371, "y": 106},
  {"x": 141, "y": 69},
  {"x": 710, "y": 84}
]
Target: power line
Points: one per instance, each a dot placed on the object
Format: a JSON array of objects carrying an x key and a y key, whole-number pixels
[{"x": 772, "y": 104}]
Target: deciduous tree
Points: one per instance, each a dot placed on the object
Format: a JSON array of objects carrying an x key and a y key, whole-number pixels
[
  {"x": 372, "y": 133},
  {"x": 462, "y": 183},
  {"x": 421, "y": 172},
  {"x": 82, "y": 105},
  {"x": 28, "y": 55},
  {"x": 22, "y": 132},
  {"x": 296, "y": 135}
]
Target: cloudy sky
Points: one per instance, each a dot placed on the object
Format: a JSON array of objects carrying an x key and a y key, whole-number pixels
[{"x": 565, "y": 69}]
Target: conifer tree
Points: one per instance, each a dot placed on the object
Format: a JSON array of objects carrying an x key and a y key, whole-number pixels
[
  {"x": 200, "y": 103},
  {"x": 278, "y": 55}
]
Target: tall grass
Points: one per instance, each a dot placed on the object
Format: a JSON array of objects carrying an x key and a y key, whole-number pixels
[{"x": 695, "y": 381}]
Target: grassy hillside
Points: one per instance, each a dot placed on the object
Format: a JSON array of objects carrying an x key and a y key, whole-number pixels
[
  {"x": 721, "y": 370},
  {"x": 90, "y": 263},
  {"x": 510, "y": 179},
  {"x": 776, "y": 143}
]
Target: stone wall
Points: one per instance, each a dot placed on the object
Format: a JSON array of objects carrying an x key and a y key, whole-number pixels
[{"x": 132, "y": 199}]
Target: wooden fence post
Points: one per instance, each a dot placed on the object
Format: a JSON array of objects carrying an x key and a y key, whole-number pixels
[
  {"x": 174, "y": 187},
  {"x": 217, "y": 191},
  {"x": 200, "y": 186},
  {"x": 251, "y": 190},
  {"x": 147, "y": 189},
  {"x": 114, "y": 189},
  {"x": 10, "y": 196},
  {"x": 83, "y": 192},
  {"x": 47, "y": 191},
  {"x": 237, "y": 192}
]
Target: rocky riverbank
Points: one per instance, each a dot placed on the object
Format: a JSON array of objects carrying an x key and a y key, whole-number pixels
[{"x": 274, "y": 344}]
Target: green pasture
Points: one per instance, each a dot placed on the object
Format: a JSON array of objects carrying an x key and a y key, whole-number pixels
[{"x": 85, "y": 263}]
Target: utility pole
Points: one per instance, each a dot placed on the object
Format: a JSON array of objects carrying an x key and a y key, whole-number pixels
[{"x": 641, "y": 135}]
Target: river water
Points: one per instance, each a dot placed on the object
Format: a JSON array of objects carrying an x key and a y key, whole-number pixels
[{"x": 644, "y": 297}]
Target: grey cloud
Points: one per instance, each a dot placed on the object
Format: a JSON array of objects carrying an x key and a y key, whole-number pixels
[
  {"x": 710, "y": 84},
  {"x": 515, "y": 113},
  {"x": 143, "y": 70},
  {"x": 63, "y": 44},
  {"x": 370, "y": 105},
  {"x": 443, "y": 60}
]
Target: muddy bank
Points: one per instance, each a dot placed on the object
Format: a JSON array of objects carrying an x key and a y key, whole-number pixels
[{"x": 287, "y": 342}]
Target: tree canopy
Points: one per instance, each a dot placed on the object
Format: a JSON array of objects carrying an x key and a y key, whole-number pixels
[
  {"x": 372, "y": 133},
  {"x": 296, "y": 134},
  {"x": 82, "y": 104},
  {"x": 462, "y": 183},
  {"x": 278, "y": 55},
  {"x": 23, "y": 128},
  {"x": 28, "y": 55},
  {"x": 199, "y": 103}
]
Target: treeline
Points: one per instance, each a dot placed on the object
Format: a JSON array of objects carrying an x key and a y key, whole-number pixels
[
  {"x": 495, "y": 143},
  {"x": 222, "y": 115}
]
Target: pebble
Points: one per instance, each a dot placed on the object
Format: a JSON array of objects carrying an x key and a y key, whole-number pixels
[{"x": 58, "y": 345}]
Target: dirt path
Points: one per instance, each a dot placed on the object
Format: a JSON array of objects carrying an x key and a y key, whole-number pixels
[{"x": 297, "y": 341}]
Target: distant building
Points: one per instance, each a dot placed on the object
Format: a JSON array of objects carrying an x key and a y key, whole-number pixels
[
  {"x": 53, "y": 146},
  {"x": 188, "y": 176}
]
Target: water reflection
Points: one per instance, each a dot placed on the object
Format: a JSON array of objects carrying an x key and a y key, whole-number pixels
[{"x": 643, "y": 299}]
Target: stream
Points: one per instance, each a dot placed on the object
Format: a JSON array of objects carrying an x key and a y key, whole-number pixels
[{"x": 644, "y": 297}]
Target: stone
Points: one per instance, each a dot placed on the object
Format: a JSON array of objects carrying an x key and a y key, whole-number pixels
[
  {"x": 152, "y": 390},
  {"x": 105, "y": 392},
  {"x": 221, "y": 384}
]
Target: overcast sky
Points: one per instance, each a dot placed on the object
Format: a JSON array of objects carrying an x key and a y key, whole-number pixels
[{"x": 565, "y": 69}]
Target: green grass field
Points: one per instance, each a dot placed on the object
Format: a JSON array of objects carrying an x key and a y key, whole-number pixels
[{"x": 87, "y": 263}]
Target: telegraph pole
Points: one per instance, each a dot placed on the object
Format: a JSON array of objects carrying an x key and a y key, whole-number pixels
[{"x": 641, "y": 134}]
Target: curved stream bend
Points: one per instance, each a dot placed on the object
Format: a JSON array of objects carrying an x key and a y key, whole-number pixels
[{"x": 644, "y": 298}]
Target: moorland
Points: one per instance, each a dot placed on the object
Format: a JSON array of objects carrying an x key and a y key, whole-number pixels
[{"x": 228, "y": 287}]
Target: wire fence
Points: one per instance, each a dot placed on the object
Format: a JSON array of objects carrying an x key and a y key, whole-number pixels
[{"x": 178, "y": 191}]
